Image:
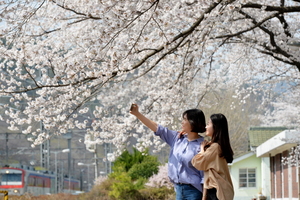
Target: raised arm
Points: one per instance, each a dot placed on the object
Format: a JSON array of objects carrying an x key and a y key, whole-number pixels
[{"x": 134, "y": 110}]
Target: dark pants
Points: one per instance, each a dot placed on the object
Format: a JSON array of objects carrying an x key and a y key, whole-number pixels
[
  {"x": 211, "y": 194},
  {"x": 187, "y": 192}
]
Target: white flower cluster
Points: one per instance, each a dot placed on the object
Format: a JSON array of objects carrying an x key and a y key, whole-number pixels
[
  {"x": 293, "y": 158},
  {"x": 160, "y": 179}
]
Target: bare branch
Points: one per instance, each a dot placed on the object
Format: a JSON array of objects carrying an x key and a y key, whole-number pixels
[
  {"x": 256, "y": 25},
  {"x": 280, "y": 9},
  {"x": 131, "y": 22}
]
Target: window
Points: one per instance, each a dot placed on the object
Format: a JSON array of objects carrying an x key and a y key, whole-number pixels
[
  {"x": 11, "y": 179},
  {"x": 247, "y": 177}
]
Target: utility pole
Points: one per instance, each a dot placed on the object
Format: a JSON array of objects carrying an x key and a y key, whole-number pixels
[
  {"x": 68, "y": 136},
  {"x": 107, "y": 151},
  {"x": 44, "y": 150},
  {"x": 6, "y": 149},
  {"x": 96, "y": 162}
]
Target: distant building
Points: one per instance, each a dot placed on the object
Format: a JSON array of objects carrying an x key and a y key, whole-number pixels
[
  {"x": 259, "y": 173},
  {"x": 284, "y": 178}
]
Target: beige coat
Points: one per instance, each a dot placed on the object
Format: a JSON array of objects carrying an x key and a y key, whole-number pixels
[{"x": 216, "y": 172}]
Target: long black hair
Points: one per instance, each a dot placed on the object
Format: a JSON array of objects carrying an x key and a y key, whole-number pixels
[
  {"x": 221, "y": 135},
  {"x": 196, "y": 119}
]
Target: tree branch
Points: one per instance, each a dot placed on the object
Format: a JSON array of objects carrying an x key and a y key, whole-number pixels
[
  {"x": 183, "y": 34},
  {"x": 280, "y": 9},
  {"x": 115, "y": 35},
  {"x": 256, "y": 24},
  {"x": 76, "y": 12}
]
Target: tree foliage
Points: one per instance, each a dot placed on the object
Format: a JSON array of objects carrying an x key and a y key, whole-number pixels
[
  {"x": 124, "y": 187},
  {"x": 77, "y": 64},
  {"x": 144, "y": 169},
  {"x": 130, "y": 173},
  {"x": 127, "y": 159},
  {"x": 137, "y": 164}
]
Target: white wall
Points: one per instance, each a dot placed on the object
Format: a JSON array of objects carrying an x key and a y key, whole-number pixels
[{"x": 246, "y": 193}]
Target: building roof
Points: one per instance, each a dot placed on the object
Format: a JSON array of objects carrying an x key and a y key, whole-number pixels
[
  {"x": 281, "y": 142},
  {"x": 258, "y": 135},
  {"x": 242, "y": 157}
]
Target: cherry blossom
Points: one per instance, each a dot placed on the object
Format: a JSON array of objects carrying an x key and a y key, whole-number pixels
[{"x": 78, "y": 64}]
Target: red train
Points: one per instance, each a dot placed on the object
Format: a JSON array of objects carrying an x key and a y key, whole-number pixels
[{"x": 23, "y": 179}]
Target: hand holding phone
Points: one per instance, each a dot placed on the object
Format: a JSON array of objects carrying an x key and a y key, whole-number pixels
[{"x": 134, "y": 108}]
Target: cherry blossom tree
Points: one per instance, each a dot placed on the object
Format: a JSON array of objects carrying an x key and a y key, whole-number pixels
[
  {"x": 160, "y": 179},
  {"x": 70, "y": 64}
]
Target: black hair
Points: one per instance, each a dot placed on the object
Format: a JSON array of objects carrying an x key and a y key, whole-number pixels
[
  {"x": 221, "y": 136},
  {"x": 196, "y": 119}
]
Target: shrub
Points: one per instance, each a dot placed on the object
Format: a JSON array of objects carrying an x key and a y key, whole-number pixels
[
  {"x": 161, "y": 193},
  {"x": 99, "y": 191},
  {"x": 127, "y": 160},
  {"x": 100, "y": 179},
  {"x": 124, "y": 188},
  {"x": 138, "y": 164},
  {"x": 145, "y": 169}
]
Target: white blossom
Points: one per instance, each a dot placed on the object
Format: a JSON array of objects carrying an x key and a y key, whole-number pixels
[{"x": 77, "y": 64}]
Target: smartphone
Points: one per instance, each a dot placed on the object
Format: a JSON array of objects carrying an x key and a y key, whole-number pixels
[{"x": 131, "y": 107}]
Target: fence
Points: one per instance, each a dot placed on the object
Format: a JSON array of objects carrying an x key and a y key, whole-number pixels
[{"x": 5, "y": 194}]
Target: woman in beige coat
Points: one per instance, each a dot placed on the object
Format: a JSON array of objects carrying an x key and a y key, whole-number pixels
[{"x": 213, "y": 159}]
